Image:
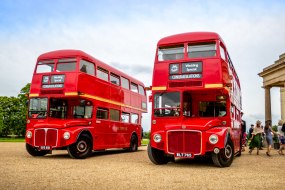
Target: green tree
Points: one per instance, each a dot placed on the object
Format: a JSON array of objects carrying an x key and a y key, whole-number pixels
[
  {"x": 13, "y": 112},
  {"x": 8, "y": 109},
  {"x": 146, "y": 135},
  {"x": 20, "y": 128}
]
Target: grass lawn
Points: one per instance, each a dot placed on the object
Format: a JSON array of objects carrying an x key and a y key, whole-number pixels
[
  {"x": 7, "y": 139},
  {"x": 145, "y": 142}
]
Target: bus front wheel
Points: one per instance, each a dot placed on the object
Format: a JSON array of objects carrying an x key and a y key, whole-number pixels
[
  {"x": 34, "y": 151},
  {"x": 157, "y": 156},
  {"x": 82, "y": 148},
  {"x": 225, "y": 157}
]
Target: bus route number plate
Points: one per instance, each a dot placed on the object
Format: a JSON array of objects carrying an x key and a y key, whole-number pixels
[{"x": 183, "y": 155}]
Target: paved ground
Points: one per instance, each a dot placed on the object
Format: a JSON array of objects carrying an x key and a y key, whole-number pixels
[{"x": 118, "y": 169}]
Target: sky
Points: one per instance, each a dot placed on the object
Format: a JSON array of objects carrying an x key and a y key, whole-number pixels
[{"x": 124, "y": 34}]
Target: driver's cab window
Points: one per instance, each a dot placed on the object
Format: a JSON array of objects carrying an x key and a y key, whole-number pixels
[{"x": 167, "y": 104}]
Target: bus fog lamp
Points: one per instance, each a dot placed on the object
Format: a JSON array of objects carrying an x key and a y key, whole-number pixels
[
  {"x": 216, "y": 150},
  {"x": 157, "y": 138},
  {"x": 213, "y": 139},
  {"x": 66, "y": 135},
  {"x": 29, "y": 134}
]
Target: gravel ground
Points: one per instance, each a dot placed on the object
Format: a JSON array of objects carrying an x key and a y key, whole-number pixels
[{"x": 117, "y": 169}]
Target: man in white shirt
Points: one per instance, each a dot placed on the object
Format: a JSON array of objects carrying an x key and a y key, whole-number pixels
[{"x": 281, "y": 137}]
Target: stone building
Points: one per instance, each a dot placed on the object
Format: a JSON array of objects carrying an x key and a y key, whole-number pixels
[{"x": 274, "y": 76}]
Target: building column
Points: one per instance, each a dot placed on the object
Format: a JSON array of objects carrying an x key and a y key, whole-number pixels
[
  {"x": 282, "y": 101},
  {"x": 267, "y": 104}
]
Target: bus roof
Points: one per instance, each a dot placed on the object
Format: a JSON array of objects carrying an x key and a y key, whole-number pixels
[
  {"x": 78, "y": 53},
  {"x": 189, "y": 37}
]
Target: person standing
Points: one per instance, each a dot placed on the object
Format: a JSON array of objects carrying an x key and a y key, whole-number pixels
[
  {"x": 250, "y": 130},
  {"x": 243, "y": 132},
  {"x": 268, "y": 136},
  {"x": 256, "y": 137},
  {"x": 281, "y": 137}
]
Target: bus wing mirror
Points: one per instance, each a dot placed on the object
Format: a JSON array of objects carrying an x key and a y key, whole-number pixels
[{"x": 150, "y": 98}]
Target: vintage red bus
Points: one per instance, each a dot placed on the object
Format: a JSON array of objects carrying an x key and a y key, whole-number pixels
[
  {"x": 196, "y": 100},
  {"x": 82, "y": 104}
]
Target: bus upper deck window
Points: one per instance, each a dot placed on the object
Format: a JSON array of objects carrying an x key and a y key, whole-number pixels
[
  {"x": 125, "y": 83},
  {"x": 87, "y": 67},
  {"x": 103, "y": 74},
  {"x": 170, "y": 53},
  {"x": 134, "y": 87},
  {"x": 202, "y": 50},
  {"x": 45, "y": 66},
  {"x": 115, "y": 79},
  {"x": 66, "y": 65}
]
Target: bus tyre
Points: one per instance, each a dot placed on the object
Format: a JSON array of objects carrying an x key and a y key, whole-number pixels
[
  {"x": 34, "y": 151},
  {"x": 225, "y": 157},
  {"x": 82, "y": 148},
  {"x": 133, "y": 143},
  {"x": 157, "y": 156}
]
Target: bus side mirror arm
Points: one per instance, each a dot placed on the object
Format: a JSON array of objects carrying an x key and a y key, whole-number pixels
[{"x": 150, "y": 98}]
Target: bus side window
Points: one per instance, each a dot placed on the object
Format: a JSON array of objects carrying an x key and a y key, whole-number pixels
[
  {"x": 134, "y": 118},
  {"x": 125, "y": 117},
  {"x": 223, "y": 53},
  {"x": 78, "y": 112},
  {"x": 114, "y": 115},
  {"x": 102, "y": 113}
]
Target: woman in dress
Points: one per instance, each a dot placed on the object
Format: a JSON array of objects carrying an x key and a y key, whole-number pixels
[
  {"x": 268, "y": 135},
  {"x": 256, "y": 137}
]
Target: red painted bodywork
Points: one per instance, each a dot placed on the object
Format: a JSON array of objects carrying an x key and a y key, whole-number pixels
[
  {"x": 81, "y": 86},
  {"x": 191, "y": 134}
]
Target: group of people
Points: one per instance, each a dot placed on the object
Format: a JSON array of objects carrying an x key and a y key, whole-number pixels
[{"x": 255, "y": 134}]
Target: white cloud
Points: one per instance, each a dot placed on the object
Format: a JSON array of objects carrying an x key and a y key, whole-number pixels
[{"x": 254, "y": 40}]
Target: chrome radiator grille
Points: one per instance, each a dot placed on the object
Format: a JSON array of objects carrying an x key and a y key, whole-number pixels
[
  {"x": 184, "y": 141},
  {"x": 46, "y": 137}
]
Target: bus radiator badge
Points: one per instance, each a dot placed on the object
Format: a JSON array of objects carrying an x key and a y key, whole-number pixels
[{"x": 183, "y": 127}]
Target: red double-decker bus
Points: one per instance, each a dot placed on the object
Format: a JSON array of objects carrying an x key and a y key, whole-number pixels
[
  {"x": 82, "y": 104},
  {"x": 196, "y": 100}
]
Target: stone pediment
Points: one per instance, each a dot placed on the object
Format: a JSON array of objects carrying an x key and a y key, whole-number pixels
[{"x": 274, "y": 75}]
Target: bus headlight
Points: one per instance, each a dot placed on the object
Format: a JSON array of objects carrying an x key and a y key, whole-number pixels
[
  {"x": 29, "y": 134},
  {"x": 157, "y": 138},
  {"x": 66, "y": 135},
  {"x": 213, "y": 139}
]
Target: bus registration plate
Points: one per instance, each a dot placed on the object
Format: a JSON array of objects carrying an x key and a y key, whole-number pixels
[
  {"x": 183, "y": 155},
  {"x": 45, "y": 147}
]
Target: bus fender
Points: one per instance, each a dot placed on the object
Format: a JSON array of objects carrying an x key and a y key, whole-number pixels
[{"x": 84, "y": 131}]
